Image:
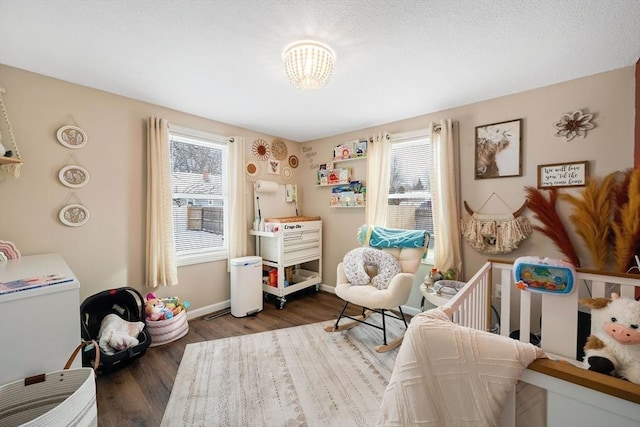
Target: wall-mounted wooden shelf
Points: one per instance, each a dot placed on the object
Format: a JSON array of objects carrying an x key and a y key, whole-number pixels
[
  {"x": 9, "y": 160},
  {"x": 333, "y": 184}
]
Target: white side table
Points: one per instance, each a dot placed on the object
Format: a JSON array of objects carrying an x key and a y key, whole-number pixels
[{"x": 432, "y": 297}]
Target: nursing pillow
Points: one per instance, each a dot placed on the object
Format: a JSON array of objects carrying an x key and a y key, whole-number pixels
[{"x": 354, "y": 263}]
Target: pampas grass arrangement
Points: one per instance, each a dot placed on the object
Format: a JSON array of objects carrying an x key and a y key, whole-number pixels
[
  {"x": 545, "y": 211},
  {"x": 626, "y": 220},
  {"x": 592, "y": 214}
]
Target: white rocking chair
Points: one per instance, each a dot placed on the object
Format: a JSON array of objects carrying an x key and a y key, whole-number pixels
[{"x": 372, "y": 299}]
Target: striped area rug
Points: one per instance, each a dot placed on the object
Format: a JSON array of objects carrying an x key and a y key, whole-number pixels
[{"x": 300, "y": 376}]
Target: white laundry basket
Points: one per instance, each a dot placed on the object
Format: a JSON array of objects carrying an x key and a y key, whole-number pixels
[{"x": 60, "y": 398}]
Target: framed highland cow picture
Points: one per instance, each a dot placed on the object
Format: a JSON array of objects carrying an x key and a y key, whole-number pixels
[{"x": 498, "y": 150}]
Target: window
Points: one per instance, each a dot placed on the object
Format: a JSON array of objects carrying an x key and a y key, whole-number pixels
[
  {"x": 199, "y": 186},
  {"x": 409, "y": 185}
]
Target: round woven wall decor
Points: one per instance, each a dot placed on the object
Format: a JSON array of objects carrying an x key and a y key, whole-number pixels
[
  {"x": 261, "y": 150},
  {"x": 279, "y": 149},
  {"x": 293, "y": 161}
]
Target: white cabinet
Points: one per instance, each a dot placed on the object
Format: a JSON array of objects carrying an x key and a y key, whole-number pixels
[
  {"x": 295, "y": 252},
  {"x": 40, "y": 327}
]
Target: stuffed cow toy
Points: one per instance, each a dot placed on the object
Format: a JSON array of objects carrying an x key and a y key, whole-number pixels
[{"x": 613, "y": 348}]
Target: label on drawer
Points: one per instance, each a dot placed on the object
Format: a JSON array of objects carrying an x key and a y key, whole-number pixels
[{"x": 302, "y": 226}]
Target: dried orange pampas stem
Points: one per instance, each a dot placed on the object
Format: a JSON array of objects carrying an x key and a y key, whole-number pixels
[
  {"x": 626, "y": 223},
  {"x": 545, "y": 211},
  {"x": 592, "y": 215}
]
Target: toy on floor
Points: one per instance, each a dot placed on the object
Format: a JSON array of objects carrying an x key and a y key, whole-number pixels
[
  {"x": 164, "y": 308},
  {"x": 175, "y": 305},
  {"x": 613, "y": 348},
  {"x": 156, "y": 309},
  {"x": 116, "y": 334}
]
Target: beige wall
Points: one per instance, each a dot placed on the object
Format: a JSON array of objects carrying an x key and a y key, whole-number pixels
[
  {"x": 108, "y": 251},
  {"x": 608, "y": 147}
]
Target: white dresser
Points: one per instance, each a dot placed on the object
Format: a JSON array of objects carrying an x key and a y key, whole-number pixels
[{"x": 39, "y": 328}]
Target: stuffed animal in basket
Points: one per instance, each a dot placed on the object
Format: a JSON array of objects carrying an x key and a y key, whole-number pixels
[
  {"x": 613, "y": 348},
  {"x": 116, "y": 334},
  {"x": 156, "y": 309}
]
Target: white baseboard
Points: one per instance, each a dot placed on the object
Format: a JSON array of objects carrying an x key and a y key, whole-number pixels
[
  {"x": 204, "y": 311},
  {"x": 199, "y": 312},
  {"x": 327, "y": 288}
]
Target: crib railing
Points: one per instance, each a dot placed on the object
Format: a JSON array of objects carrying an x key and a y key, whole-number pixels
[
  {"x": 471, "y": 307},
  {"x": 472, "y": 304},
  {"x": 524, "y": 311}
]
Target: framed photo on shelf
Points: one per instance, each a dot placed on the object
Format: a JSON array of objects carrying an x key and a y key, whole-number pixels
[{"x": 498, "y": 150}]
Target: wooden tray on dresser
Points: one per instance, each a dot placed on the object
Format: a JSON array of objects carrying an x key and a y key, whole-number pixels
[{"x": 293, "y": 219}]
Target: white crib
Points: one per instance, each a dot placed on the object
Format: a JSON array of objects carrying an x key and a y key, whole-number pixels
[{"x": 570, "y": 394}]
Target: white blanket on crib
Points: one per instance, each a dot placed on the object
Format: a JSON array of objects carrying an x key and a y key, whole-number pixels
[{"x": 449, "y": 375}]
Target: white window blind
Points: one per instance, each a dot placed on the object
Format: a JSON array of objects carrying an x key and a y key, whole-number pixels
[
  {"x": 199, "y": 186},
  {"x": 409, "y": 185}
]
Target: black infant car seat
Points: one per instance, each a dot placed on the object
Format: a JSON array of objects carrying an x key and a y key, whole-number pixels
[{"x": 127, "y": 303}]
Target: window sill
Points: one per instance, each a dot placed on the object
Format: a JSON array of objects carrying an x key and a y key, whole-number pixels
[{"x": 185, "y": 260}]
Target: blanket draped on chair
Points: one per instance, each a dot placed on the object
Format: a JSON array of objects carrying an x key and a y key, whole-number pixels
[
  {"x": 383, "y": 237},
  {"x": 449, "y": 375}
]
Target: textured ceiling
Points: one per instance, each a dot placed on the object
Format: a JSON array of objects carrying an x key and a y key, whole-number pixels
[{"x": 395, "y": 59}]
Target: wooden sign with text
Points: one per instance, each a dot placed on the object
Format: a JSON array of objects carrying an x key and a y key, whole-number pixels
[{"x": 572, "y": 174}]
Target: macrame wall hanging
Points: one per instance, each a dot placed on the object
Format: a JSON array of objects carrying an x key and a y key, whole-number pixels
[
  {"x": 495, "y": 233},
  {"x": 13, "y": 167}
]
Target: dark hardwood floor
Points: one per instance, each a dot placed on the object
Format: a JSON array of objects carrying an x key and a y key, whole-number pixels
[{"x": 136, "y": 394}]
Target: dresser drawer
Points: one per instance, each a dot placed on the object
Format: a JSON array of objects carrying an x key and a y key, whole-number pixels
[{"x": 301, "y": 251}]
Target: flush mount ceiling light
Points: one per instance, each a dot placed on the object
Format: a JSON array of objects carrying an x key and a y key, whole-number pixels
[{"x": 309, "y": 64}]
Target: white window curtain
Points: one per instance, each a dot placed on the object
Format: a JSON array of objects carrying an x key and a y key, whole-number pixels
[
  {"x": 377, "y": 180},
  {"x": 445, "y": 194},
  {"x": 237, "y": 201},
  {"x": 161, "y": 268}
]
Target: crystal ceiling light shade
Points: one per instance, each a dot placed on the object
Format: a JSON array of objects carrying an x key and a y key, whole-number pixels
[{"x": 309, "y": 64}]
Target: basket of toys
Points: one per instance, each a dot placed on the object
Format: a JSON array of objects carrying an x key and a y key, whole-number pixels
[{"x": 166, "y": 319}]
